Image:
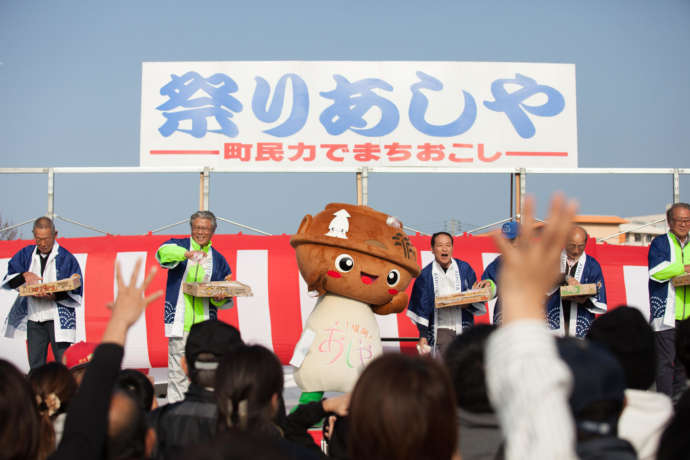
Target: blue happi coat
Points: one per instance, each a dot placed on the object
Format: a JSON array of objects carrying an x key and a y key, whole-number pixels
[
  {"x": 173, "y": 289},
  {"x": 491, "y": 273},
  {"x": 422, "y": 310},
  {"x": 667, "y": 303},
  {"x": 581, "y": 315},
  {"x": 63, "y": 265}
]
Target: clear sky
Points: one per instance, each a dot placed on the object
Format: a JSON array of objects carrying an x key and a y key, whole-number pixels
[{"x": 70, "y": 89}]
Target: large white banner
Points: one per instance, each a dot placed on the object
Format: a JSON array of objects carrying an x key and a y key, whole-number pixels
[{"x": 283, "y": 115}]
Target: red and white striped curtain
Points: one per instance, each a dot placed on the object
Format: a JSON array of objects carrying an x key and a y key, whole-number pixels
[{"x": 275, "y": 315}]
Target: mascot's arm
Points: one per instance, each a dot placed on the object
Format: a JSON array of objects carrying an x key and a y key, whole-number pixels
[{"x": 396, "y": 305}]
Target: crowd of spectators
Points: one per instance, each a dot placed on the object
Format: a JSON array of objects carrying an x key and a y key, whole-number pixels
[{"x": 514, "y": 391}]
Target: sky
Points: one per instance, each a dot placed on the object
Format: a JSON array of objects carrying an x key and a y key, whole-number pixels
[{"x": 70, "y": 95}]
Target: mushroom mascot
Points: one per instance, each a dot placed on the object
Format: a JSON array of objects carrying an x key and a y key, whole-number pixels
[{"x": 360, "y": 262}]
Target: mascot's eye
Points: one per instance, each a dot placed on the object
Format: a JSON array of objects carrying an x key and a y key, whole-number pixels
[
  {"x": 393, "y": 277},
  {"x": 344, "y": 263}
]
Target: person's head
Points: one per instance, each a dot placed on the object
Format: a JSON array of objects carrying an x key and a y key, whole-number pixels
[
  {"x": 442, "y": 248},
  {"x": 77, "y": 357},
  {"x": 576, "y": 242},
  {"x": 203, "y": 224},
  {"x": 464, "y": 359},
  {"x": 207, "y": 342},
  {"x": 249, "y": 382},
  {"x": 683, "y": 342},
  {"x": 598, "y": 393},
  {"x": 20, "y": 426},
  {"x": 138, "y": 385},
  {"x": 44, "y": 234},
  {"x": 403, "y": 408},
  {"x": 678, "y": 218},
  {"x": 626, "y": 333},
  {"x": 54, "y": 386},
  {"x": 128, "y": 435},
  {"x": 510, "y": 230}
]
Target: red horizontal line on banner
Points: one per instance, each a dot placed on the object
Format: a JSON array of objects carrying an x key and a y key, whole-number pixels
[
  {"x": 537, "y": 154},
  {"x": 185, "y": 152}
]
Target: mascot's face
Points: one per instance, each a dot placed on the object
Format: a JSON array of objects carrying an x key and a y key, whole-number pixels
[
  {"x": 353, "y": 274},
  {"x": 358, "y": 253}
]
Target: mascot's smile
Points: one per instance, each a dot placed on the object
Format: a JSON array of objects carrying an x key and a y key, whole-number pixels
[{"x": 368, "y": 278}]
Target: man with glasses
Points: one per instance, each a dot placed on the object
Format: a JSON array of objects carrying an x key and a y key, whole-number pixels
[
  {"x": 669, "y": 256},
  {"x": 189, "y": 260},
  {"x": 574, "y": 315}
]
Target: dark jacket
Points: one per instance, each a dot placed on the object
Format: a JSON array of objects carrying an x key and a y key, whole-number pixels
[
  {"x": 480, "y": 435},
  {"x": 86, "y": 425},
  {"x": 190, "y": 421},
  {"x": 605, "y": 448}
]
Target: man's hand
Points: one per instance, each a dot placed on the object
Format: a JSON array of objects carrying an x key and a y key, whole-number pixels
[
  {"x": 571, "y": 281},
  {"x": 31, "y": 278},
  {"x": 481, "y": 284},
  {"x": 531, "y": 266},
  {"x": 338, "y": 405},
  {"x": 423, "y": 347},
  {"x": 219, "y": 298},
  {"x": 195, "y": 256},
  {"x": 129, "y": 304},
  {"x": 687, "y": 268}
]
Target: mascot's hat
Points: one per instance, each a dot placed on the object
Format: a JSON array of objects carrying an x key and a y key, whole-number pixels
[{"x": 362, "y": 229}]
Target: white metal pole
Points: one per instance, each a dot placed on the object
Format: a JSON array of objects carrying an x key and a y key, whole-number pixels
[
  {"x": 523, "y": 189},
  {"x": 51, "y": 193},
  {"x": 365, "y": 186}
]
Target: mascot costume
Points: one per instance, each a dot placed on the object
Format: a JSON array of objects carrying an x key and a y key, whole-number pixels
[{"x": 360, "y": 262}]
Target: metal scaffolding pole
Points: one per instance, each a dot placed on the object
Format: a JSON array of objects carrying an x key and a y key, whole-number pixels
[
  {"x": 51, "y": 193},
  {"x": 204, "y": 179},
  {"x": 365, "y": 186}
]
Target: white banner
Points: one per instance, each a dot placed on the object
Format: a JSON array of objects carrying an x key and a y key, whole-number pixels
[{"x": 283, "y": 115}]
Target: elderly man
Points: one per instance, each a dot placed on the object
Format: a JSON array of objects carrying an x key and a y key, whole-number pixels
[
  {"x": 189, "y": 260},
  {"x": 669, "y": 256},
  {"x": 48, "y": 318},
  {"x": 443, "y": 276},
  {"x": 573, "y": 317}
]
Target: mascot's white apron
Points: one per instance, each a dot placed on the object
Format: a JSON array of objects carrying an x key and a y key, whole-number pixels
[{"x": 340, "y": 338}]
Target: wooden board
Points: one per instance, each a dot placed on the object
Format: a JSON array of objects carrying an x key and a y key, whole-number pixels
[
  {"x": 681, "y": 280},
  {"x": 578, "y": 290},
  {"x": 62, "y": 285},
  {"x": 464, "y": 298},
  {"x": 217, "y": 289}
]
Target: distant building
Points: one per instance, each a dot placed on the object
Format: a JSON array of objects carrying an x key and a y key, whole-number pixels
[
  {"x": 633, "y": 231},
  {"x": 640, "y": 230}
]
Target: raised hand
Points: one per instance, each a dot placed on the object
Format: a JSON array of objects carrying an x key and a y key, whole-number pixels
[
  {"x": 129, "y": 304},
  {"x": 531, "y": 266}
]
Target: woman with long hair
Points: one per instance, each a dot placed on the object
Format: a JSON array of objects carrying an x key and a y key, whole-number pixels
[
  {"x": 53, "y": 386},
  {"x": 20, "y": 424},
  {"x": 249, "y": 385},
  {"x": 403, "y": 408}
]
